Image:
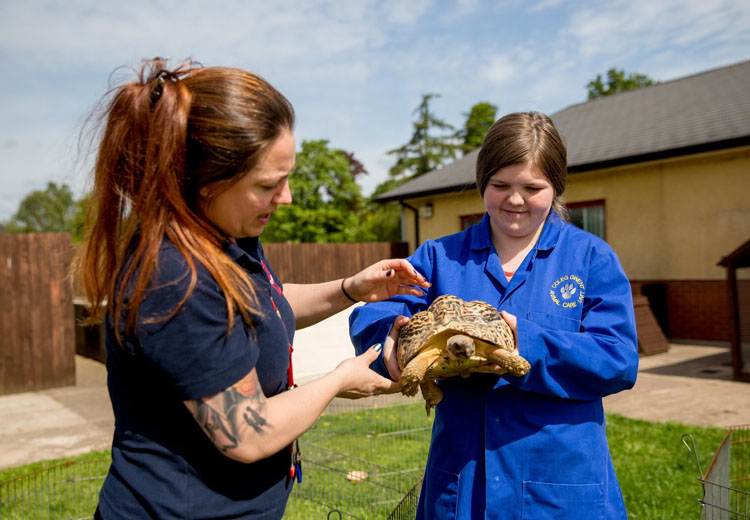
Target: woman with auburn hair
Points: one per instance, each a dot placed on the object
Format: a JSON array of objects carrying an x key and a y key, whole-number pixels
[
  {"x": 532, "y": 446},
  {"x": 191, "y": 165}
]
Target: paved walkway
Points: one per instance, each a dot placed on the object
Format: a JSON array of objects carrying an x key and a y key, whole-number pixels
[{"x": 690, "y": 384}]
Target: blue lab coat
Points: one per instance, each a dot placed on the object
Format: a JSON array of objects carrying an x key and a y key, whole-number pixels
[{"x": 535, "y": 446}]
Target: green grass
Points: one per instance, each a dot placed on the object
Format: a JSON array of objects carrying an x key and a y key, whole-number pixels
[{"x": 657, "y": 476}]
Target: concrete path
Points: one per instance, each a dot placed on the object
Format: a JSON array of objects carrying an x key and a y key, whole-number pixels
[{"x": 690, "y": 384}]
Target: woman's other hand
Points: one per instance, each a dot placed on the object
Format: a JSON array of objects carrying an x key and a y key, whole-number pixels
[
  {"x": 359, "y": 380},
  {"x": 385, "y": 279}
]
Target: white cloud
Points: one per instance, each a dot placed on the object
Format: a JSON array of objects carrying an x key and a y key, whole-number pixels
[
  {"x": 406, "y": 13},
  {"x": 499, "y": 69},
  {"x": 633, "y": 27},
  {"x": 542, "y": 5}
]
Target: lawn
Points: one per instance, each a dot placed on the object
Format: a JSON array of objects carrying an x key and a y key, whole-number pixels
[{"x": 363, "y": 462}]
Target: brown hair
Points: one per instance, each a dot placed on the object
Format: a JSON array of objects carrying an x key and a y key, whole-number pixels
[
  {"x": 525, "y": 137},
  {"x": 166, "y": 135}
]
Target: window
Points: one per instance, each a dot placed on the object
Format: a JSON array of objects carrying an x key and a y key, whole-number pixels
[
  {"x": 470, "y": 220},
  {"x": 588, "y": 216}
]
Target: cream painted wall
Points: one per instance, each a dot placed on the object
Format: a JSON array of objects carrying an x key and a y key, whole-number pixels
[
  {"x": 671, "y": 220},
  {"x": 447, "y": 212}
]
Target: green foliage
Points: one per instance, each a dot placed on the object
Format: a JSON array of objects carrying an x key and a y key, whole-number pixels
[
  {"x": 326, "y": 198},
  {"x": 382, "y": 222},
  {"x": 50, "y": 210},
  {"x": 78, "y": 222},
  {"x": 425, "y": 151},
  {"x": 478, "y": 122},
  {"x": 617, "y": 82}
]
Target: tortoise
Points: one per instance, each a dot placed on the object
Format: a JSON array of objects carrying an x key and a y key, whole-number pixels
[{"x": 453, "y": 337}]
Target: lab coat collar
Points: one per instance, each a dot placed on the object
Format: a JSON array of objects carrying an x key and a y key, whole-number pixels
[
  {"x": 481, "y": 240},
  {"x": 482, "y": 235}
]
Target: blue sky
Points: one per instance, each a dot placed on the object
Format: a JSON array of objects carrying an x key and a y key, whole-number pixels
[{"x": 353, "y": 69}]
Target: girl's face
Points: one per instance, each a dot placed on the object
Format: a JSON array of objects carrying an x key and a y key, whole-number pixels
[
  {"x": 245, "y": 208},
  {"x": 518, "y": 199}
]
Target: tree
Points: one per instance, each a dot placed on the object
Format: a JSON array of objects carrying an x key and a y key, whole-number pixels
[
  {"x": 425, "y": 151},
  {"x": 326, "y": 198},
  {"x": 478, "y": 122},
  {"x": 617, "y": 82},
  {"x": 51, "y": 209}
]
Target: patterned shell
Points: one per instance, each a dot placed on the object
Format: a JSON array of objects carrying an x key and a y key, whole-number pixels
[{"x": 450, "y": 313}]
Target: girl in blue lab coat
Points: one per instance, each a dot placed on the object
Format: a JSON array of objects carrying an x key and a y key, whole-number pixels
[{"x": 535, "y": 446}]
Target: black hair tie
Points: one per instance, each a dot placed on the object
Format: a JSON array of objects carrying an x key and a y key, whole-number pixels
[{"x": 158, "y": 87}]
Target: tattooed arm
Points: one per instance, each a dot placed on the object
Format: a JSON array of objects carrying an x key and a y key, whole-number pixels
[{"x": 247, "y": 426}]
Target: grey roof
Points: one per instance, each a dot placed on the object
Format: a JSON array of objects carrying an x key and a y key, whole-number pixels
[{"x": 705, "y": 111}]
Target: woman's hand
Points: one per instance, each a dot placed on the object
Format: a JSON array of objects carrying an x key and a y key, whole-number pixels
[
  {"x": 512, "y": 322},
  {"x": 385, "y": 279},
  {"x": 359, "y": 380}
]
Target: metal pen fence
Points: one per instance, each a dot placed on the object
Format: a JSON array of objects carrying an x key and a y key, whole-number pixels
[
  {"x": 365, "y": 459},
  {"x": 67, "y": 491},
  {"x": 362, "y": 460},
  {"x": 726, "y": 483}
]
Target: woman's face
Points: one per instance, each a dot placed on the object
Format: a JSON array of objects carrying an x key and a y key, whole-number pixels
[
  {"x": 518, "y": 199},
  {"x": 245, "y": 208}
]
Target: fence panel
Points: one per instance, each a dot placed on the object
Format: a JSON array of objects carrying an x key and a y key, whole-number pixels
[
  {"x": 37, "y": 327},
  {"x": 313, "y": 263}
]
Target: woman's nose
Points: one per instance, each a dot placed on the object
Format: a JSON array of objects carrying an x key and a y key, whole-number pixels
[{"x": 284, "y": 196}]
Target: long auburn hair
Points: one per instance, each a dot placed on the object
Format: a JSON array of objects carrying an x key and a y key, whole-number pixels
[
  {"x": 523, "y": 137},
  {"x": 166, "y": 135}
]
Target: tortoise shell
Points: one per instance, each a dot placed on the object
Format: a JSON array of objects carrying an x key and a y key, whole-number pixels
[{"x": 449, "y": 315}]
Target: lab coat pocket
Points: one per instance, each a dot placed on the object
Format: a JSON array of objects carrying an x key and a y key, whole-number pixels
[
  {"x": 543, "y": 500},
  {"x": 441, "y": 493},
  {"x": 555, "y": 322}
]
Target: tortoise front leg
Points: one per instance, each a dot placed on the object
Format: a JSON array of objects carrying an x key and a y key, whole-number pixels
[{"x": 510, "y": 361}]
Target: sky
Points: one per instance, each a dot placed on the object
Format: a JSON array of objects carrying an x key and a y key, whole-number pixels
[{"x": 355, "y": 70}]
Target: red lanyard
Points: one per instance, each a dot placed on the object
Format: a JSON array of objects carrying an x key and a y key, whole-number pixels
[
  {"x": 296, "y": 466},
  {"x": 290, "y": 371}
]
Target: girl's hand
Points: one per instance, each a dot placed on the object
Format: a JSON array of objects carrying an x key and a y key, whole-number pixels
[
  {"x": 390, "y": 350},
  {"x": 359, "y": 380},
  {"x": 385, "y": 279},
  {"x": 512, "y": 322}
]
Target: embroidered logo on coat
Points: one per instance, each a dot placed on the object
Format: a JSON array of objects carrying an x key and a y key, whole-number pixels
[{"x": 568, "y": 291}]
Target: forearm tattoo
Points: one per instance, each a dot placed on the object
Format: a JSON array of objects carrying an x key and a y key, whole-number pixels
[{"x": 225, "y": 416}]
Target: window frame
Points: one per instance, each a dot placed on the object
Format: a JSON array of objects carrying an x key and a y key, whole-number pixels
[{"x": 590, "y": 204}]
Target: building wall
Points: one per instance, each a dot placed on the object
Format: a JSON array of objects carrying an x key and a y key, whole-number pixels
[
  {"x": 673, "y": 219},
  {"x": 446, "y": 215}
]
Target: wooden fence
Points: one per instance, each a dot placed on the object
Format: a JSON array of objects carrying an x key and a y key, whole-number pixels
[
  {"x": 313, "y": 263},
  {"x": 37, "y": 327},
  {"x": 39, "y": 335}
]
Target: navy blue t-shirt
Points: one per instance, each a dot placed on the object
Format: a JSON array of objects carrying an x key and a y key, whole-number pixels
[{"x": 163, "y": 464}]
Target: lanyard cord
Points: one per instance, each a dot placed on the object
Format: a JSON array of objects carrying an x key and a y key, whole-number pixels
[
  {"x": 295, "y": 469},
  {"x": 290, "y": 371}
]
